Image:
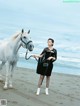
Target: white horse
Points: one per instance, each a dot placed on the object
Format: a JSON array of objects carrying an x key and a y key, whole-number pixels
[{"x": 9, "y": 53}]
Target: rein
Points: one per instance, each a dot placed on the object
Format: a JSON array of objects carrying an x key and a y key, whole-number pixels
[
  {"x": 38, "y": 60},
  {"x": 27, "y": 58}
]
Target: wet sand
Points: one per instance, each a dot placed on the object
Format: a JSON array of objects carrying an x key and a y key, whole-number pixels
[{"x": 64, "y": 90}]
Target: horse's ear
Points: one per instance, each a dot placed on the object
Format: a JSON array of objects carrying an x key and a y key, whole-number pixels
[
  {"x": 22, "y": 30},
  {"x": 28, "y": 31}
]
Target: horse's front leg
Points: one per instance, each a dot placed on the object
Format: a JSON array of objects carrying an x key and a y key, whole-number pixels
[
  {"x": 7, "y": 74},
  {"x": 11, "y": 74},
  {"x": 1, "y": 66}
]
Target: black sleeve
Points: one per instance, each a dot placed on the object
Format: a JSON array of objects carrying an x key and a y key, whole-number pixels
[
  {"x": 41, "y": 59},
  {"x": 55, "y": 55}
]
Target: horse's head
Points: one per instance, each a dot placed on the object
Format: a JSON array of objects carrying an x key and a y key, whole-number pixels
[{"x": 26, "y": 41}]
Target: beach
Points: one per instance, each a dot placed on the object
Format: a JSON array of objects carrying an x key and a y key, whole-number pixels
[
  {"x": 56, "y": 19},
  {"x": 64, "y": 90}
]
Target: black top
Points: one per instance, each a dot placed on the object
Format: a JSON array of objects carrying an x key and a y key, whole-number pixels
[{"x": 46, "y": 54}]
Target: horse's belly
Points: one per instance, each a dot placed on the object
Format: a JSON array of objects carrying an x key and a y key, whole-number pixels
[
  {"x": 2, "y": 56},
  {"x": 13, "y": 59}
]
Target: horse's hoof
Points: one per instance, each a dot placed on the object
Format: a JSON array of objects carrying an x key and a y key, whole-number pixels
[
  {"x": 5, "y": 87},
  {"x": 10, "y": 86}
]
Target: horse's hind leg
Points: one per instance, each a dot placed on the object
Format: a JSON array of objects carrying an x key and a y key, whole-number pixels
[
  {"x": 11, "y": 74},
  {"x": 1, "y": 66}
]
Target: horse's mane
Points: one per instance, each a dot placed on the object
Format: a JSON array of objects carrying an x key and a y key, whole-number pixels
[{"x": 15, "y": 35}]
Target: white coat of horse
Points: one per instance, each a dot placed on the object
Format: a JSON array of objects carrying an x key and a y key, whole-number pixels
[{"x": 9, "y": 53}]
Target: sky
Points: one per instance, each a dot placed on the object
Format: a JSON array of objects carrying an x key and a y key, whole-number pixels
[{"x": 47, "y": 15}]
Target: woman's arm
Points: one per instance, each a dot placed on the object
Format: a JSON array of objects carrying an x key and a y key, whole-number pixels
[
  {"x": 37, "y": 56},
  {"x": 54, "y": 57},
  {"x": 51, "y": 58}
]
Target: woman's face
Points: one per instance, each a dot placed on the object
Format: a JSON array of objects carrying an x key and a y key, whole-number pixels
[{"x": 50, "y": 43}]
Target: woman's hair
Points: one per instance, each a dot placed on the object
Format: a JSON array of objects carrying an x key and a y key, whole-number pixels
[{"x": 51, "y": 40}]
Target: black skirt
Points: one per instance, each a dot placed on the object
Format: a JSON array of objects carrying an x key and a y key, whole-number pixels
[{"x": 44, "y": 70}]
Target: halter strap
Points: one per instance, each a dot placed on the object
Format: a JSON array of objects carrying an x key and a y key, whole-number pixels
[
  {"x": 25, "y": 42},
  {"x": 28, "y": 42}
]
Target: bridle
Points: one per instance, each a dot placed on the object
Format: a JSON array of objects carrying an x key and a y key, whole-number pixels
[{"x": 25, "y": 42}]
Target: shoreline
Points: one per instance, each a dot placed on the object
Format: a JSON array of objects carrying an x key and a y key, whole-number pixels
[
  {"x": 58, "y": 67},
  {"x": 53, "y": 72}
]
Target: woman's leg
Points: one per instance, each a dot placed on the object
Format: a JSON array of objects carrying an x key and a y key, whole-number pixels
[
  {"x": 40, "y": 81},
  {"x": 47, "y": 84},
  {"x": 47, "y": 81},
  {"x": 39, "y": 84}
]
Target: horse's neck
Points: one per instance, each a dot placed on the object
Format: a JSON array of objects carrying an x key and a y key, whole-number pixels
[
  {"x": 18, "y": 47},
  {"x": 16, "y": 44}
]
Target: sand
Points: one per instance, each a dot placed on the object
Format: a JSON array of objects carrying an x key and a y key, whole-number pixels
[{"x": 64, "y": 90}]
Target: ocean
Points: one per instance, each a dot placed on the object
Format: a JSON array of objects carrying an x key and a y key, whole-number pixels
[
  {"x": 63, "y": 27},
  {"x": 68, "y": 60}
]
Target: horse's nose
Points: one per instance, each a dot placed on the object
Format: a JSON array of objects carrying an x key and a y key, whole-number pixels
[{"x": 31, "y": 46}]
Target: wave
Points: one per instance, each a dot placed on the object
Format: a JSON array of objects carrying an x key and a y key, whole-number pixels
[
  {"x": 62, "y": 58},
  {"x": 69, "y": 59}
]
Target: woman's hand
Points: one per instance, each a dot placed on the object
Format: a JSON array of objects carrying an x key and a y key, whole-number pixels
[
  {"x": 53, "y": 58},
  {"x": 34, "y": 56},
  {"x": 37, "y": 56}
]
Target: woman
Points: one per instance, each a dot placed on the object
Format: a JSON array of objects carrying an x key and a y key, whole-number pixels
[{"x": 45, "y": 64}]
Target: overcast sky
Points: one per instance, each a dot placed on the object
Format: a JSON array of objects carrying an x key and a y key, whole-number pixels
[{"x": 45, "y": 14}]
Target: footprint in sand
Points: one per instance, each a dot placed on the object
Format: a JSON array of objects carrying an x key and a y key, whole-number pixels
[
  {"x": 14, "y": 102},
  {"x": 59, "y": 103}
]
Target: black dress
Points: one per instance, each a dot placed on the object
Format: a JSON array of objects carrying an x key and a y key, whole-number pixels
[{"x": 47, "y": 69}]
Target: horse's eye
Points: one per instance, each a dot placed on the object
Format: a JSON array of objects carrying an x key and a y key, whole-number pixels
[{"x": 24, "y": 37}]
